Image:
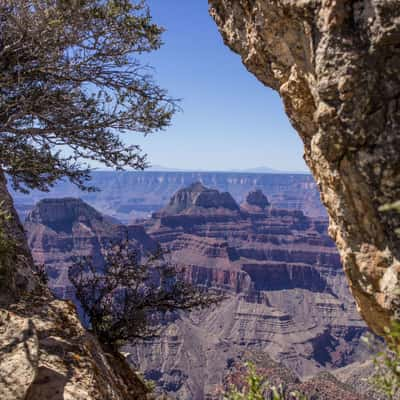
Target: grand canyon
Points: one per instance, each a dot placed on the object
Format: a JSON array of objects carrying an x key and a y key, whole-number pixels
[
  {"x": 131, "y": 194},
  {"x": 287, "y": 296}
]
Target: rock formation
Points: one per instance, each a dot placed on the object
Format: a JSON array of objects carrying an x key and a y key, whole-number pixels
[
  {"x": 287, "y": 296},
  {"x": 136, "y": 194},
  {"x": 336, "y": 65},
  {"x": 16, "y": 275},
  {"x": 256, "y": 201},
  {"x": 198, "y": 197},
  {"x": 46, "y": 354}
]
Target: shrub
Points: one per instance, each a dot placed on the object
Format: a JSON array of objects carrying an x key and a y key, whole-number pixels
[
  {"x": 256, "y": 387},
  {"x": 123, "y": 300},
  {"x": 386, "y": 378}
]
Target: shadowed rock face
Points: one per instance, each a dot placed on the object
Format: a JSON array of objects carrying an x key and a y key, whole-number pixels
[
  {"x": 336, "y": 65},
  {"x": 257, "y": 198},
  {"x": 16, "y": 275}
]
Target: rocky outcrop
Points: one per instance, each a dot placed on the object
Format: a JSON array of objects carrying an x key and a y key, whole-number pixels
[
  {"x": 336, "y": 65},
  {"x": 256, "y": 200},
  {"x": 197, "y": 199},
  {"x": 46, "y": 354}
]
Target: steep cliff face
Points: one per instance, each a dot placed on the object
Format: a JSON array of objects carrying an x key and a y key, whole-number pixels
[
  {"x": 16, "y": 275},
  {"x": 287, "y": 294},
  {"x": 336, "y": 65}
]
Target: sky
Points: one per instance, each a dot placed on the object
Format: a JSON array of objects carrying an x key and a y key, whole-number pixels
[{"x": 230, "y": 121}]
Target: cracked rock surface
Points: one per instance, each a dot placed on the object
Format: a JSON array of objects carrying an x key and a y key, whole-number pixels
[
  {"x": 336, "y": 65},
  {"x": 45, "y": 353}
]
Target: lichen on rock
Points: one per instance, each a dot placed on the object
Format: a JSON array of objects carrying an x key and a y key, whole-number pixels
[{"x": 336, "y": 65}]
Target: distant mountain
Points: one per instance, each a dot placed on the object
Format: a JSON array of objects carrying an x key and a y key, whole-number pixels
[
  {"x": 255, "y": 170},
  {"x": 135, "y": 194},
  {"x": 161, "y": 168},
  {"x": 268, "y": 170},
  {"x": 264, "y": 170}
]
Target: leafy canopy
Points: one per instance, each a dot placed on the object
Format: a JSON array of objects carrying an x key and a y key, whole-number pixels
[{"x": 70, "y": 82}]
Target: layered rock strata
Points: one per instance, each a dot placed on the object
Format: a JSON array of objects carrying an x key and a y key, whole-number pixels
[
  {"x": 336, "y": 65},
  {"x": 136, "y": 194},
  {"x": 287, "y": 295}
]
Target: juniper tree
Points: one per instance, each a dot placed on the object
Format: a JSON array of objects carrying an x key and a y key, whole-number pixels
[
  {"x": 70, "y": 83},
  {"x": 126, "y": 298}
]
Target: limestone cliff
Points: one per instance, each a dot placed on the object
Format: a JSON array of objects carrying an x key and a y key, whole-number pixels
[
  {"x": 336, "y": 65},
  {"x": 46, "y": 354}
]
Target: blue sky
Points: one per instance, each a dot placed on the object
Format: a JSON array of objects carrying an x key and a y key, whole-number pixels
[{"x": 229, "y": 119}]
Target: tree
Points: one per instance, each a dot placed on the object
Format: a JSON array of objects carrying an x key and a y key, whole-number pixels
[
  {"x": 70, "y": 83},
  {"x": 124, "y": 300}
]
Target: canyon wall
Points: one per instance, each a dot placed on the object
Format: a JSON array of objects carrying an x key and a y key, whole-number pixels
[
  {"x": 336, "y": 65},
  {"x": 286, "y": 292},
  {"x": 132, "y": 194}
]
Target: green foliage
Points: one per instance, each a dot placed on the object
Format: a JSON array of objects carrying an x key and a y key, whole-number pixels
[
  {"x": 70, "y": 77},
  {"x": 387, "y": 364},
  {"x": 256, "y": 387},
  {"x": 8, "y": 249},
  {"x": 392, "y": 207},
  {"x": 124, "y": 299},
  {"x": 40, "y": 271}
]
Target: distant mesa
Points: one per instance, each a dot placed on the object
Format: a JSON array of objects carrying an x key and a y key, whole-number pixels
[
  {"x": 197, "y": 197},
  {"x": 58, "y": 212},
  {"x": 256, "y": 199}
]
